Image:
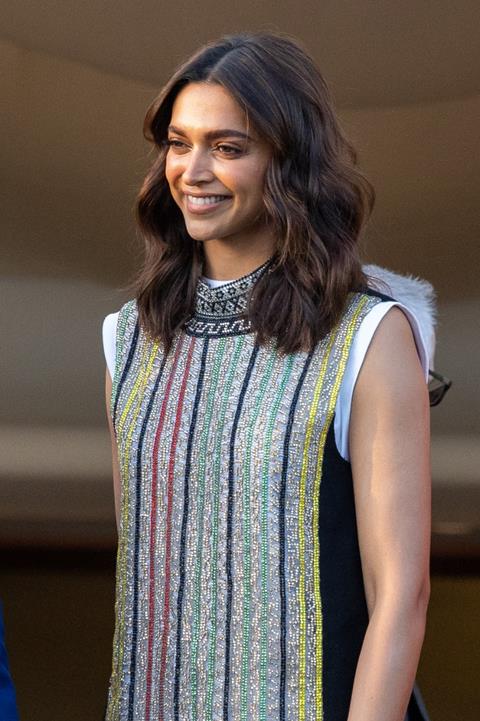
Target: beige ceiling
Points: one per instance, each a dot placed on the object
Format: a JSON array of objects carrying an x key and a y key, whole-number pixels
[
  {"x": 374, "y": 53},
  {"x": 78, "y": 77}
]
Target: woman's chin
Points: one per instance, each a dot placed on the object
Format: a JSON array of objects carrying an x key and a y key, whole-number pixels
[{"x": 197, "y": 232}]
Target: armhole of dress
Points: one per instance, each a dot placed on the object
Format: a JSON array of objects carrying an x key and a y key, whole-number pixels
[{"x": 356, "y": 357}]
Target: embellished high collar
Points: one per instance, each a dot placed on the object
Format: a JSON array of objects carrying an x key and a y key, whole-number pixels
[{"x": 221, "y": 311}]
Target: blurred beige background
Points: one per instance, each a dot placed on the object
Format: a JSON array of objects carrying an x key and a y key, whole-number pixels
[{"x": 75, "y": 83}]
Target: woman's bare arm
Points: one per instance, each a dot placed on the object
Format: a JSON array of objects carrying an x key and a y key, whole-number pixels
[
  {"x": 389, "y": 450},
  {"x": 115, "y": 465}
]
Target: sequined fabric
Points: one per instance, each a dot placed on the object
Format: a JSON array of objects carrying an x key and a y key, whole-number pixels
[
  {"x": 223, "y": 447},
  {"x": 221, "y": 311}
]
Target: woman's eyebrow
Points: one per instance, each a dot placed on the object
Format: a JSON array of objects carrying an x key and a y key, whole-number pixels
[{"x": 214, "y": 134}]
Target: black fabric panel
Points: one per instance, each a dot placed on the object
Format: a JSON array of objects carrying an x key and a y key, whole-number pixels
[{"x": 344, "y": 608}]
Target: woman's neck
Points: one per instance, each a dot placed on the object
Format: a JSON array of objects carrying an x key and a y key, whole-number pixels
[{"x": 229, "y": 265}]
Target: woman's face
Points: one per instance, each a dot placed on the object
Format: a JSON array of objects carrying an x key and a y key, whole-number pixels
[{"x": 216, "y": 166}]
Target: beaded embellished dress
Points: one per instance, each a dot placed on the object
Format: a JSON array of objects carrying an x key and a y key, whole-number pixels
[{"x": 239, "y": 586}]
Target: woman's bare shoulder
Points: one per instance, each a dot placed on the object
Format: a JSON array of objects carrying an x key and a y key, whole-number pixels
[{"x": 391, "y": 368}]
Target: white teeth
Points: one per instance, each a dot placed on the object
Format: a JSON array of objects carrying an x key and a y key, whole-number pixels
[{"x": 206, "y": 200}]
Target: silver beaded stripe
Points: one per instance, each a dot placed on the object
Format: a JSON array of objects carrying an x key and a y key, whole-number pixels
[{"x": 265, "y": 538}]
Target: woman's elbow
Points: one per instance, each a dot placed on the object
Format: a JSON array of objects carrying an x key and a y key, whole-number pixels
[
  {"x": 405, "y": 604},
  {"x": 418, "y": 606},
  {"x": 416, "y": 596},
  {"x": 423, "y": 596}
]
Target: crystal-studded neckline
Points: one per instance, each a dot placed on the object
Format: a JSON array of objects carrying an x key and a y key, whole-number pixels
[{"x": 220, "y": 311}]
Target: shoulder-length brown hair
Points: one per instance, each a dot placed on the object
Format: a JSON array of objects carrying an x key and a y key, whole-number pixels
[{"x": 315, "y": 198}]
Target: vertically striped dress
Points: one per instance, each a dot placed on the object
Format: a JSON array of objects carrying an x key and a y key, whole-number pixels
[{"x": 239, "y": 585}]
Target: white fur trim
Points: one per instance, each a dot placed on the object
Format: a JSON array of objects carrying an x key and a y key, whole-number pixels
[{"x": 415, "y": 293}]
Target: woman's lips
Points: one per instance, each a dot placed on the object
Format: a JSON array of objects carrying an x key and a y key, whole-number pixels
[{"x": 205, "y": 204}]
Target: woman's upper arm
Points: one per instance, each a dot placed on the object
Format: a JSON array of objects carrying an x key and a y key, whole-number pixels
[
  {"x": 115, "y": 464},
  {"x": 389, "y": 450}
]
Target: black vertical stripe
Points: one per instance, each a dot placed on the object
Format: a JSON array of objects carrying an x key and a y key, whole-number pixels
[{"x": 131, "y": 353}]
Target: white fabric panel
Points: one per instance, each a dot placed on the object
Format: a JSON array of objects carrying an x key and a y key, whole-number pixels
[
  {"x": 109, "y": 336},
  {"x": 356, "y": 357}
]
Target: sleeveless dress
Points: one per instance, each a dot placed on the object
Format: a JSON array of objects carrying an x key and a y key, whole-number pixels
[{"x": 239, "y": 591}]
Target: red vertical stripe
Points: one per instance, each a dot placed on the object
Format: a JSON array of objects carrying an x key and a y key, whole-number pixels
[{"x": 153, "y": 524}]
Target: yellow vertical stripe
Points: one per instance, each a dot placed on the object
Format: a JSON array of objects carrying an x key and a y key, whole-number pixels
[
  {"x": 301, "y": 531},
  {"x": 316, "y": 500},
  {"x": 135, "y": 399}
]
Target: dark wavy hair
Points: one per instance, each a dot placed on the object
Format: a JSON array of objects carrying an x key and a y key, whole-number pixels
[{"x": 315, "y": 198}]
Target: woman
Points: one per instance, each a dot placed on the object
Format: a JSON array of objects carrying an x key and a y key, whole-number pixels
[{"x": 269, "y": 416}]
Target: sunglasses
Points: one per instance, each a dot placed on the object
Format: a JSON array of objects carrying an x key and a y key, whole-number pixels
[{"x": 438, "y": 385}]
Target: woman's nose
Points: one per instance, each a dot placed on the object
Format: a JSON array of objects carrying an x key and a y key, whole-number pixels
[{"x": 197, "y": 168}]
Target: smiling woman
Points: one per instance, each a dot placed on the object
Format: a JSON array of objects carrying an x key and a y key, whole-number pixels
[{"x": 269, "y": 417}]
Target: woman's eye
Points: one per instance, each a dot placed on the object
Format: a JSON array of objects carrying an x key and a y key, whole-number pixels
[
  {"x": 176, "y": 144},
  {"x": 228, "y": 149}
]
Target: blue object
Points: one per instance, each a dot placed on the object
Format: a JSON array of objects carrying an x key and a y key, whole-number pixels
[{"x": 8, "y": 704}]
